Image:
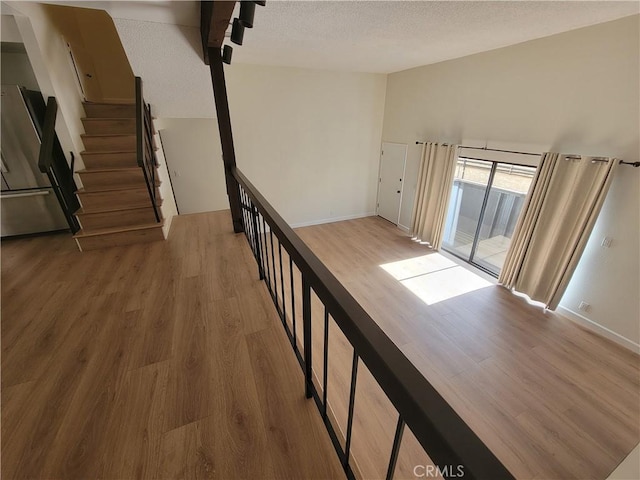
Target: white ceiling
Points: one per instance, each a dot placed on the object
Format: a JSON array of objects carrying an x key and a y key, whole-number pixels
[{"x": 382, "y": 36}]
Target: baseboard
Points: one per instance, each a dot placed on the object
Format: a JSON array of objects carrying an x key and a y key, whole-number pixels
[
  {"x": 599, "y": 329},
  {"x": 403, "y": 228},
  {"x": 331, "y": 220}
]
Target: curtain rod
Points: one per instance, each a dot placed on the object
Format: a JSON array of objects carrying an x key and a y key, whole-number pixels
[
  {"x": 490, "y": 149},
  {"x": 567, "y": 157},
  {"x": 601, "y": 159}
]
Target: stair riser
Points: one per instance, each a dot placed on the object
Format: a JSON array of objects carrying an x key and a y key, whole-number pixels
[
  {"x": 104, "y": 127},
  {"x": 134, "y": 178},
  {"x": 110, "y": 160},
  {"x": 119, "y": 218},
  {"x": 121, "y": 238},
  {"x": 109, "y": 111},
  {"x": 138, "y": 197},
  {"x": 109, "y": 144}
]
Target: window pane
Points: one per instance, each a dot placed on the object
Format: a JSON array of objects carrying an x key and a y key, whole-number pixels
[
  {"x": 467, "y": 194},
  {"x": 506, "y": 198}
]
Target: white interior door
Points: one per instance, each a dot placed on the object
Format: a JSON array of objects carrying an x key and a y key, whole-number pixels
[{"x": 390, "y": 181}]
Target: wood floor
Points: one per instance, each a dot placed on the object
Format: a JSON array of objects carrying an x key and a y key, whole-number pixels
[
  {"x": 550, "y": 399},
  {"x": 159, "y": 360},
  {"x": 167, "y": 360}
]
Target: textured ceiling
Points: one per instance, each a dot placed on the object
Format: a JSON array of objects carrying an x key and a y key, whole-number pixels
[
  {"x": 162, "y": 39},
  {"x": 391, "y": 36},
  {"x": 175, "y": 12},
  {"x": 168, "y": 57},
  {"x": 380, "y": 36}
]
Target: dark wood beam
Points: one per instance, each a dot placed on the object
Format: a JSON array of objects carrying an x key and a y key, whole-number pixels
[
  {"x": 226, "y": 135},
  {"x": 215, "y": 17}
]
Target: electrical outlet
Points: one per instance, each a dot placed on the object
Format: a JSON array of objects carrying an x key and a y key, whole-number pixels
[
  {"x": 606, "y": 242},
  {"x": 584, "y": 306}
]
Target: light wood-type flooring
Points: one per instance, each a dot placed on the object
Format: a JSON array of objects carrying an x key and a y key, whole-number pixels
[
  {"x": 549, "y": 398},
  {"x": 167, "y": 360},
  {"x": 159, "y": 360}
]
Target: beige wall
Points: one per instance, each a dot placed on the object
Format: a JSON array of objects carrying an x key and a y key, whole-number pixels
[
  {"x": 16, "y": 70},
  {"x": 100, "y": 58},
  {"x": 308, "y": 139},
  {"x": 194, "y": 161},
  {"x": 576, "y": 92},
  {"x": 49, "y": 58},
  {"x": 9, "y": 28}
]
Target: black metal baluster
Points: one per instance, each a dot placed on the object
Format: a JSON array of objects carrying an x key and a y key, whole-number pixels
[
  {"x": 252, "y": 232},
  {"x": 326, "y": 363},
  {"x": 263, "y": 241},
  {"x": 397, "y": 439},
  {"x": 293, "y": 304},
  {"x": 284, "y": 304},
  {"x": 256, "y": 234},
  {"x": 275, "y": 278},
  {"x": 266, "y": 249},
  {"x": 243, "y": 210},
  {"x": 252, "y": 237},
  {"x": 352, "y": 399},
  {"x": 306, "y": 333}
]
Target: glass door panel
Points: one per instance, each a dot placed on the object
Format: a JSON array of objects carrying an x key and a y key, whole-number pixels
[
  {"x": 506, "y": 197},
  {"x": 469, "y": 188}
]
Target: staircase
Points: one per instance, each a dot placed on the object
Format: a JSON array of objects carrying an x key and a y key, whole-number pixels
[{"x": 116, "y": 208}]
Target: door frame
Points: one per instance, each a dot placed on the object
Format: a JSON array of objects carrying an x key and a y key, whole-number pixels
[{"x": 404, "y": 171}]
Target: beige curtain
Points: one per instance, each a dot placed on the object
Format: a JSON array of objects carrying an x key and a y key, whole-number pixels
[
  {"x": 554, "y": 225},
  {"x": 435, "y": 180}
]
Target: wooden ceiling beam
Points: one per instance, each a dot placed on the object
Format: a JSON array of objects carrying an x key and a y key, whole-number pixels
[{"x": 215, "y": 17}]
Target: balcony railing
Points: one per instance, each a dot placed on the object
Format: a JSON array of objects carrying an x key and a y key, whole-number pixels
[{"x": 444, "y": 436}]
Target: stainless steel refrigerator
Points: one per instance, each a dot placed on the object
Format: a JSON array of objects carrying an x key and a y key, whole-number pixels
[{"x": 29, "y": 204}]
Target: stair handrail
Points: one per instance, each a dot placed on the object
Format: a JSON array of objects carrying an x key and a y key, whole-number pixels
[
  {"x": 45, "y": 161},
  {"x": 145, "y": 153}
]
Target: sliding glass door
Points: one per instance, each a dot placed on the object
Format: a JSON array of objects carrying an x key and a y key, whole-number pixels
[{"x": 486, "y": 200}]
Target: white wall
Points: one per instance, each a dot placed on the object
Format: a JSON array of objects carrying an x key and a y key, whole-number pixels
[
  {"x": 576, "y": 92},
  {"x": 16, "y": 70},
  {"x": 50, "y": 61},
  {"x": 194, "y": 161},
  {"x": 309, "y": 139},
  {"x": 9, "y": 28}
]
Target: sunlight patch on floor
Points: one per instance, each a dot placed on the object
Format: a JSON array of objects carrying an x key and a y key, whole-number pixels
[{"x": 434, "y": 278}]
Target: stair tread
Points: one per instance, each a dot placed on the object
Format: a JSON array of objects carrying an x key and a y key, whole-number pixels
[
  {"x": 103, "y": 152},
  {"x": 91, "y": 211},
  {"x": 107, "y": 231},
  {"x": 108, "y": 135},
  {"x": 111, "y": 119},
  {"x": 107, "y": 209},
  {"x": 108, "y": 169},
  {"x": 114, "y": 188},
  {"x": 132, "y": 103}
]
